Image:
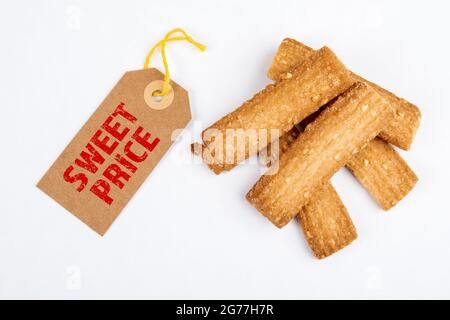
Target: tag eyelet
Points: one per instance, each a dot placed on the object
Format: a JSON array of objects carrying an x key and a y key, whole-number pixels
[{"x": 157, "y": 102}]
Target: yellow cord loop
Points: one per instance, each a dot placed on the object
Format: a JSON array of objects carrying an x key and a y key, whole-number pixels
[{"x": 162, "y": 44}]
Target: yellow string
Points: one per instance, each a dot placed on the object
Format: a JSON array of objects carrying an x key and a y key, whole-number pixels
[{"x": 162, "y": 44}]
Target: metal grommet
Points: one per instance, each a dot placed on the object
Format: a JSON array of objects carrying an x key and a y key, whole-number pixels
[{"x": 157, "y": 102}]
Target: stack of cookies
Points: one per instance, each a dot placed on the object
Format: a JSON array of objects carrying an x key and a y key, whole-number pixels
[{"x": 315, "y": 118}]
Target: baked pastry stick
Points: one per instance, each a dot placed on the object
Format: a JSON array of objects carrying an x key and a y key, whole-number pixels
[
  {"x": 319, "y": 79},
  {"x": 382, "y": 172},
  {"x": 326, "y": 145},
  {"x": 404, "y": 119},
  {"x": 379, "y": 168},
  {"x": 325, "y": 221}
]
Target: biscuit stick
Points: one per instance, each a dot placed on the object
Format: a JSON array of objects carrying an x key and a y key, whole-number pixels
[
  {"x": 405, "y": 117},
  {"x": 325, "y": 221},
  {"x": 380, "y": 169},
  {"x": 324, "y": 147},
  {"x": 320, "y": 78}
]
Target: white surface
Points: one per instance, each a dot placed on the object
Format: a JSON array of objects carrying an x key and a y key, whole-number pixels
[{"x": 188, "y": 233}]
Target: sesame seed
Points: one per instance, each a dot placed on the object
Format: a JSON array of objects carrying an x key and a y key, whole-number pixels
[
  {"x": 287, "y": 75},
  {"x": 316, "y": 98}
]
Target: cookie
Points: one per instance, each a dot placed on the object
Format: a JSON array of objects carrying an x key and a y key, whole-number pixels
[
  {"x": 326, "y": 145},
  {"x": 405, "y": 117},
  {"x": 383, "y": 173},
  {"x": 275, "y": 110},
  {"x": 326, "y": 223}
]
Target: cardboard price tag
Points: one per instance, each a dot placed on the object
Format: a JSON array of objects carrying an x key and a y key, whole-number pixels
[{"x": 114, "y": 152}]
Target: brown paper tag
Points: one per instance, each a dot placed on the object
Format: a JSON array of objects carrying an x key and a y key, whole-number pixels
[{"x": 117, "y": 148}]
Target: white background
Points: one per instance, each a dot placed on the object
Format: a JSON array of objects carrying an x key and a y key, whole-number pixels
[{"x": 188, "y": 233}]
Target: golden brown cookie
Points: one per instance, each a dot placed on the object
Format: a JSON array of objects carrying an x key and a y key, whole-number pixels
[
  {"x": 386, "y": 186},
  {"x": 326, "y": 223},
  {"x": 326, "y": 145},
  {"x": 405, "y": 117},
  {"x": 275, "y": 110},
  {"x": 383, "y": 173}
]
